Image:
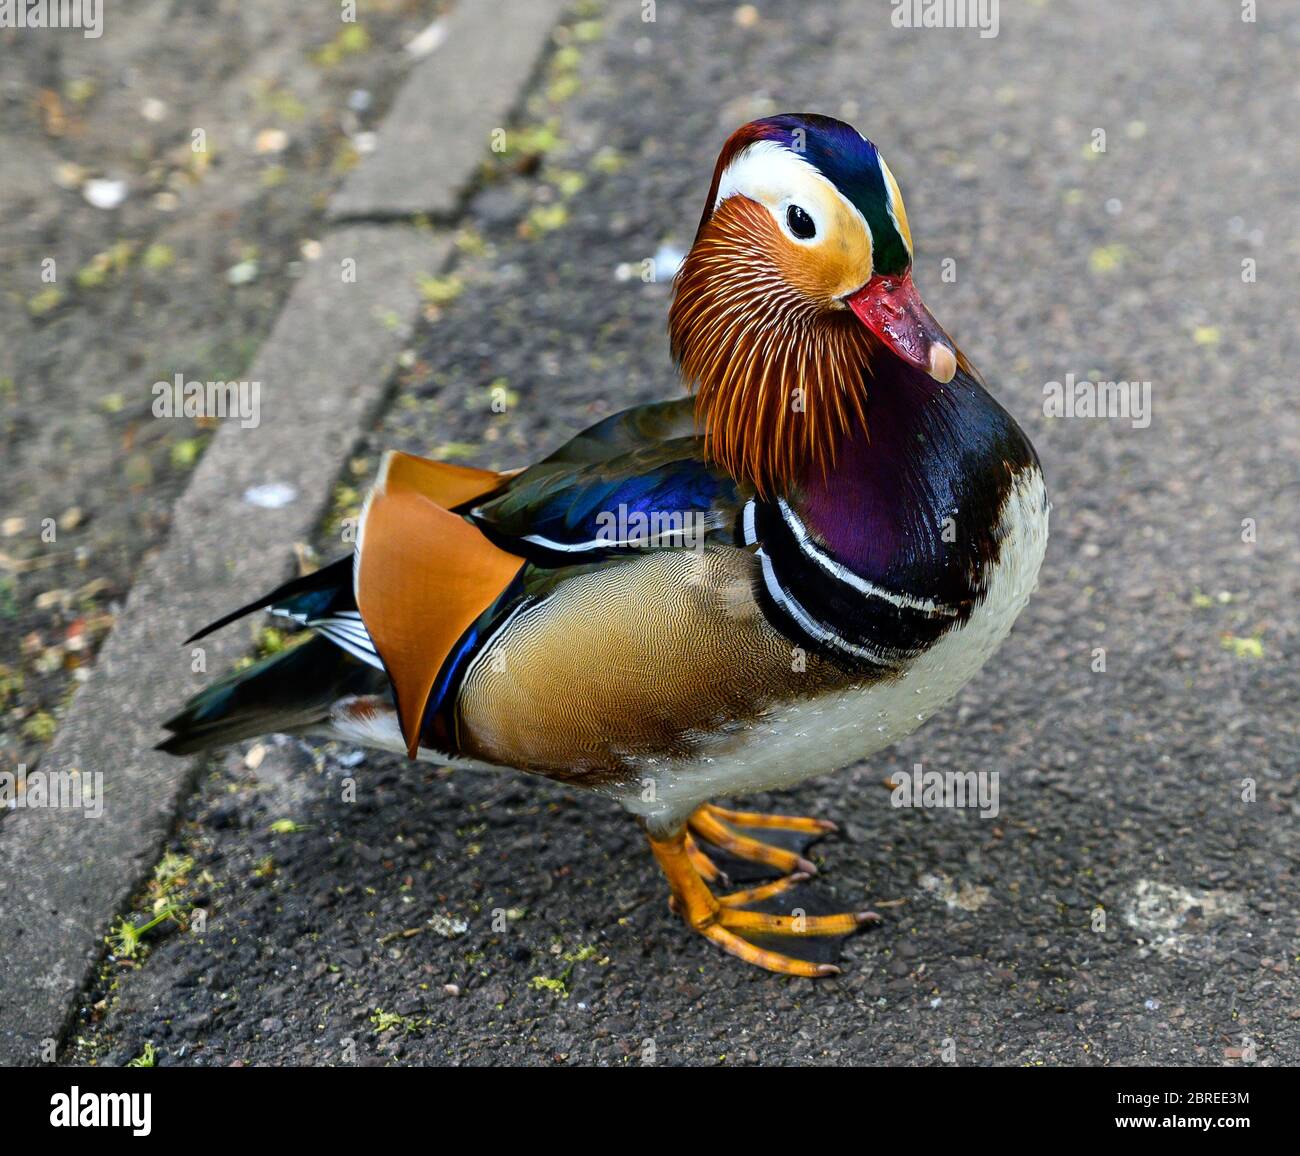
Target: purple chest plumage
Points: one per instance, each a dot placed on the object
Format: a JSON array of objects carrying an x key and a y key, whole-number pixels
[{"x": 913, "y": 500}]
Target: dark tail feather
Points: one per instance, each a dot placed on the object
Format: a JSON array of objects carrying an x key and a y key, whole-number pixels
[
  {"x": 314, "y": 594},
  {"x": 287, "y": 692}
]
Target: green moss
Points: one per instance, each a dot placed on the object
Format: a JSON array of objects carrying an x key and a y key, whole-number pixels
[
  {"x": 346, "y": 509},
  {"x": 1248, "y": 648},
  {"x": 533, "y": 140},
  {"x": 390, "y": 1021},
  {"x": 172, "y": 871},
  {"x": 165, "y": 898},
  {"x": 566, "y": 59},
  {"x": 270, "y": 641},
  {"x": 496, "y": 398},
  {"x": 158, "y": 257},
  {"x": 127, "y": 935},
  {"x": 567, "y": 183},
  {"x": 146, "y": 1059},
  {"x": 40, "y": 727},
  {"x": 112, "y": 262},
  {"x": 470, "y": 242},
  {"x": 46, "y": 301},
  {"x": 554, "y": 986},
  {"x": 441, "y": 290},
  {"x": 346, "y": 158},
  {"x": 281, "y": 104},
  {"x": 1107, "y": 258},
  {"x": 547, "y": 218},
  {"x": 185, "y": 452},
  {"x": 584, "y": 953},
  {"x": 456, "y": 450},
  {"x": 607, "y": 160},
  {"x": 352, "y": 40},
  {"x": 80, "y": 89},
  {"x": 560, "y": 985},
  {"x": 562, "y": 88}
]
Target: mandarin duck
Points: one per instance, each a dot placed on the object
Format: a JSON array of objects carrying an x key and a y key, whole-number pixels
[{"x": 699, "y": 598}]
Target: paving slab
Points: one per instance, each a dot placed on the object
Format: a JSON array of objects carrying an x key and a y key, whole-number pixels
[
  {"x": 258, "y": 489},
  {"x": 442, "y": 123},
  {"x": 63, "y": 873}
]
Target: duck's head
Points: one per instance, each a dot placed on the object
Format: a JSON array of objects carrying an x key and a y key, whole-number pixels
[{"x": 797, "y": 294}]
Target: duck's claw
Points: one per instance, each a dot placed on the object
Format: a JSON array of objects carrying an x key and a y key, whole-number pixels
[
  {"x": 726, "y": 919},
  {"x": 709, "y": 871}
]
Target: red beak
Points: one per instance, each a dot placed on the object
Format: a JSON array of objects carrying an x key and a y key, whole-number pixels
[{"x": 893, "y": 310}]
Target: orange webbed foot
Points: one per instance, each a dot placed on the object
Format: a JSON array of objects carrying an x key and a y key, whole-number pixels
[{"x": 725, "y": 919}]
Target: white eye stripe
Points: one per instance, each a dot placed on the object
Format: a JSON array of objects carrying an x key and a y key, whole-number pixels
[
  {"x": 891, "y": 188},
  {"x": 773, "y": 175},
  {"x": 765, "y": 171}
]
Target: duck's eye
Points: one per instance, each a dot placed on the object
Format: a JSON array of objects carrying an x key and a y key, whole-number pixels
[{"x": 801, "y": 224}]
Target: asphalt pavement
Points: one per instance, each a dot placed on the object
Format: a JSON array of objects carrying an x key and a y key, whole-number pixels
[{"x": 1134, "y": 900}]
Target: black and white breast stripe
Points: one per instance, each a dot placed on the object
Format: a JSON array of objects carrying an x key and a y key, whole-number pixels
[
  {"x": 587, "y": 546},
  {"x": 842, "y": 615}
]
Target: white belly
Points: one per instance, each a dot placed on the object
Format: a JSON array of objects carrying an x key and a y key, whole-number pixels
[{"x": 824, "y": 734}]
